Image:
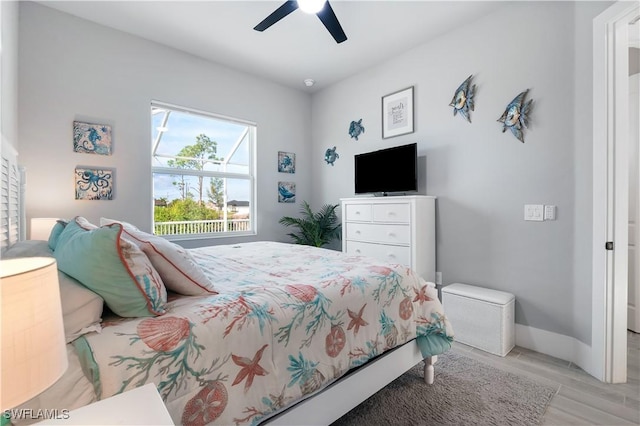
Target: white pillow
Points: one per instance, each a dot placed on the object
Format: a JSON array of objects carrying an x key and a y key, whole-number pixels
[
  {"x": 177, "y": 268},
  {"x": 81, "y": 307}
]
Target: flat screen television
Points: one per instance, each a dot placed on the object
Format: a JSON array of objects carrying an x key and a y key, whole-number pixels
[{"x": 387, "y": 170}]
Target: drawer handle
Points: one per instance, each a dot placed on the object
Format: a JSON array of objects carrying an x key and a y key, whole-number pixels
[
  {"x": 391, "y": 256},
  {"x": 357, "y": 211},
  {"x": 358, "y": 232},
  {"x": 391, "y": 213},
  {"x": 358, "y": 251},
  {"x": 391, "y": 234}
]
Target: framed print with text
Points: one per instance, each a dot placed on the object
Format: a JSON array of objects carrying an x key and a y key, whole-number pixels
[{"x": 397, "y": 113}]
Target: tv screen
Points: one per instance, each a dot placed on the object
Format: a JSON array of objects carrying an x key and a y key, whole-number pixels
[{"x": 387, "y": 170}]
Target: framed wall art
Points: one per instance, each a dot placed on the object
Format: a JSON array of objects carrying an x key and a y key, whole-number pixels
[
  {"x": 286, "y": 162},
  {"x": 91, "y": 138},
  {"x": 397, "y": 113},
  {"x": 93, "y": 184},
  {"x": 286, "y": 192}
]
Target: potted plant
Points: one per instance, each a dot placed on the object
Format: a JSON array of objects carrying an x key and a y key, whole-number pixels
[{"x": 314, "y": 229}]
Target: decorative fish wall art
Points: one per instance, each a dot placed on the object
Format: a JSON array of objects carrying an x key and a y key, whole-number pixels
[
  {"x": 330, "y": 155},
  {"x": 516, "y": 116},
  {"x": 355, "y": 128},
  {"x": 462, "y": 100}
]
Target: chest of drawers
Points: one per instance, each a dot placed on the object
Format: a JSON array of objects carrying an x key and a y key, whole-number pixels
[{"x": 393, "y": 229}]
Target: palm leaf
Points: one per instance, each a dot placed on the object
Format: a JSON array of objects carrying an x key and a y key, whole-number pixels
[{"x": 314, "y": 229}]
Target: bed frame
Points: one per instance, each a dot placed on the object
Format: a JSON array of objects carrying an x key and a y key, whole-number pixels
[{"x": 352, "y": 389}]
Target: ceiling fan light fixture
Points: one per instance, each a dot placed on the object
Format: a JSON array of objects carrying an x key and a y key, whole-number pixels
[
  {"x": 309, "y": 82},
  {"x": 311, "y": 6}
]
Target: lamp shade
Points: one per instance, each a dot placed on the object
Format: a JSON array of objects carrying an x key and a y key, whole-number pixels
[
  {"x": 33, "y": 355},
  {"x": 41, "y": 227}
]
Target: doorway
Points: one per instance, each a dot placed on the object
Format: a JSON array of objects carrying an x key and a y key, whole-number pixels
[{"x": 611, "y": 191}]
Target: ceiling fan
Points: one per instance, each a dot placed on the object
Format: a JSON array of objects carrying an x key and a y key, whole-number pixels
[{"x": 322, "y": 8}]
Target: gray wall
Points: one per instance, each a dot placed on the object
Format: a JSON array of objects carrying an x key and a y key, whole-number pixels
[
  {"x": 9, "y": 72},
  {"x": 74, "y": 69},
  {"x": 634, "y": 60},
  {"x": 70, "y": 69},
  {"x": 482, "y": 177}
]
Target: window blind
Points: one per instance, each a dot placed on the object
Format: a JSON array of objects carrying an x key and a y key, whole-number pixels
[{"x": 10, "y": 201}]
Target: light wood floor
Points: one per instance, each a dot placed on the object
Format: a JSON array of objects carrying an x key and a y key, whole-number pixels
[{"x": 580, "y": 399}]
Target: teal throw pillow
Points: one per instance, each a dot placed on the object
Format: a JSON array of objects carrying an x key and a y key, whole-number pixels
[
  {"x": 112, "y": 267},
  {"x": 55, "y": 233}
]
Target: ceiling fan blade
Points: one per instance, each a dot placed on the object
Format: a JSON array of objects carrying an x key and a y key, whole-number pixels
[
  {"x": 278, "y": 14},
  {"x": 329, "y": 19}
]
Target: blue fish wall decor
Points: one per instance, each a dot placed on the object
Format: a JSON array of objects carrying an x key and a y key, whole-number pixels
[
  {"x": 516, "y": 116},
  {"x": 462, "y": 100},
  {"x": 355, "y": 128},
  {"x": 330, "y": 155}
]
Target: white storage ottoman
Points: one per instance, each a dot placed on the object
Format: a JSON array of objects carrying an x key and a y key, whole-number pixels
[{"x": 482, "y": 318}]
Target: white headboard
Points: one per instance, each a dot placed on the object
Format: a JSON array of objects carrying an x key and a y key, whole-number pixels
[{"x": 12, "y": 214}]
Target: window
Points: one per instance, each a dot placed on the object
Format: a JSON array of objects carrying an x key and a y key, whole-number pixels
[{"x": 203, "y": 173}]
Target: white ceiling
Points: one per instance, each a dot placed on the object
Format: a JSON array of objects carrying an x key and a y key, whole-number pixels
[{"x": 297, "y": 47}]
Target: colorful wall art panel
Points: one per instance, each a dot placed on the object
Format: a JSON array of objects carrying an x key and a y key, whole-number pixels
[
  {"x": 286, "y": 162},
  {"x": 286, "y": 192},
  {"x": 94, "y": 184},
  {"x": 91, "y": 138}
]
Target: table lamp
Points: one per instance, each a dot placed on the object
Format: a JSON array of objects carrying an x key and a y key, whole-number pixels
[{"x": 33, "y": 354}]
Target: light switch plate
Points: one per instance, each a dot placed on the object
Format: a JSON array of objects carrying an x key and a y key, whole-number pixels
[
  {"x": 549, "y": 212},
  {"x": 534, "y": 212}
]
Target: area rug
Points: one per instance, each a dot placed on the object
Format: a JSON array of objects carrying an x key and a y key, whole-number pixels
[{"x": 465, "y": 392}]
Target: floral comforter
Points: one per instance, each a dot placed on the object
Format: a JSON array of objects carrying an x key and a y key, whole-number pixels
[{"x": 289, "y": 320}]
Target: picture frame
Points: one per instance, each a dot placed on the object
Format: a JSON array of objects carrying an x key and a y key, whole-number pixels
[
  {"x": 286, "y": 162},
  {"x": 90, "y": 138},
  {"x": 397, "y": 113},
  {"x": 93, "y": 183},
  {"x": 286, "y": 192}
]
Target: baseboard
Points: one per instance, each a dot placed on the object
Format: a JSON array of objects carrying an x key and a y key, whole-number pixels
[{"x": 557, "y": 345}]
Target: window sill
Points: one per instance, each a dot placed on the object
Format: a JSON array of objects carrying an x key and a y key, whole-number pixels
[{"x": 208, "y": 236}]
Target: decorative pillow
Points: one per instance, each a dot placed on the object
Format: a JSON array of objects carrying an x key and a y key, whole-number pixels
[
  {"x": 105, "y": 221},
  {"x": 55, "y": 233},
  {"x": 179, "y": 271},
  {"x": 84, "y": 223},
  {"x": 81, "y": 307},
  {"x": 61, "y": 224},
  {"x": 112, "y": 267}
]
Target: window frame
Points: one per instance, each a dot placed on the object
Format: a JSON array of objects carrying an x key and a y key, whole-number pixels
[{"x": 251, "y": 136}]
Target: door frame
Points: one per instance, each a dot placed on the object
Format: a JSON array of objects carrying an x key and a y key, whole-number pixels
[{"x": 610, "y": 191}]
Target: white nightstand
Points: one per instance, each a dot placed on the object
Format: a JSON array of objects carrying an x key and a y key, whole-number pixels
[{"x": 140, "y": 406}]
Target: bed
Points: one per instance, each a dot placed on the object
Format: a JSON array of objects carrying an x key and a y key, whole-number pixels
[{"x": 263, "y": 332}]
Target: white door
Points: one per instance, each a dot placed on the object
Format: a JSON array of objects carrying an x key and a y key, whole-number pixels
[{"x": 633, "y": 312}]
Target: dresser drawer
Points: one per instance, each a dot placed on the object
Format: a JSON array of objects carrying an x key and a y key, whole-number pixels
[
  {"x": 379, "y": 233},
  {"x": 399, "y": 213},
  {"x": 387, "y": 253},
  {"x": 359, "y": 212}
]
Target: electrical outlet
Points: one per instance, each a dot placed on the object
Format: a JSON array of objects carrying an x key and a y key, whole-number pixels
[{"x": 438, "y": 278}]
